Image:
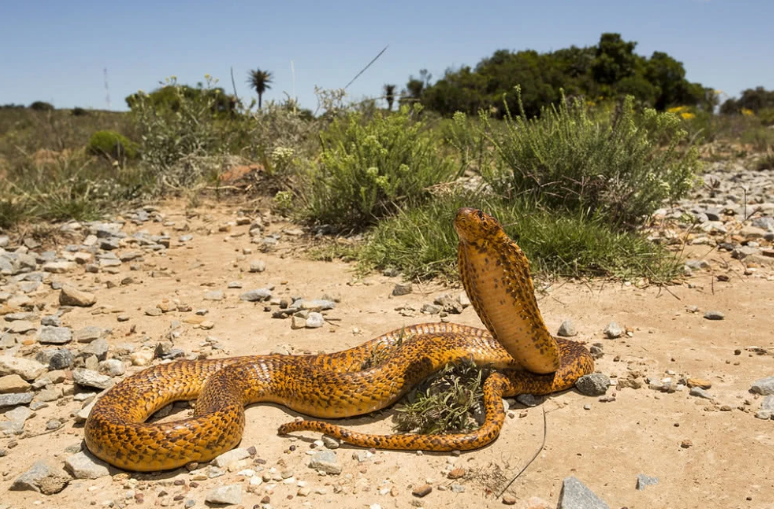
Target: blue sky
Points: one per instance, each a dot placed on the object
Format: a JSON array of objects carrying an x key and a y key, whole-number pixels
[{"x": 56, "y": 50}]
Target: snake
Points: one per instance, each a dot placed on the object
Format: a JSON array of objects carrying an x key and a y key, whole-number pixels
[{"x": 516, "y": 345}]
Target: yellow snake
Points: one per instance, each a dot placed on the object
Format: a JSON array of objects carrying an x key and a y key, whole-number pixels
[{"x": 496, "y": 277}]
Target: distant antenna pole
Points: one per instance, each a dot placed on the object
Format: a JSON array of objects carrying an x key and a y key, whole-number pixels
[
  {"x": 107, "y": 89},
  {"x": 293, "y": 74}
]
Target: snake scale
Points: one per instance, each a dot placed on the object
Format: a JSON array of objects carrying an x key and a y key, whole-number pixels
[{"x": 495, "y": 274}]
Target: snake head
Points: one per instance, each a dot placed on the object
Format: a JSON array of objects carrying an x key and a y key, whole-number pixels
[{"x": 476, "y": 227}]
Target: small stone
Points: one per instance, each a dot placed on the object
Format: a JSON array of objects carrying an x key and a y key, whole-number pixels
[
  {"x": 509, "y": 499},
  {"x": 20, "y": 326},
  {"x": 402, "y": 289},
  {"x": 13, "y": 383},
  {"x": 314, "y": 320},
  {"x": 594, "y": 384},
  {"x": 28, "y": 369},
  {"x": 764, "y": 386},
  {"x": 61, "y": 358},
  {"x": 699, "y": 382},
  {"x": 528, "y": 400},
  {"x": 112, "y": 367},
  {"x": 685, "y": 444},
  {"x": 83, "y": 465},
  {"x": 330, "y": 442},
  {"x": 325, "y": 461},
  {"x": 613, "y": 330},
  {"x": 43, "y": 477},
  {"x": 700, "y": 393},
  {"x": 644, "y": 481},
  {"x": 90, "y": 333},
  {"x": 422, "y": 491},
  {"x": 456, "y": 473},
  {"x": 575, "y": 495},
  {"x": 714, "y": 315},
  {"x": 215, "y": 295},
  {"x": 89, "y": 378},
  {"x": 256, "y": 295},
  {"x": 226, "y": 495},
  {"x": 141, "y": 357},
  {"x": 55, "y": 335},
  {"x": 59, "y": 267},
  {"x": 567, "y": 329},
  {"x": 14, "y": 399},
  {"x": 71, "y": 296},
  {"x": 257, "y": 266},
  {"x": 230, "y": 457}
]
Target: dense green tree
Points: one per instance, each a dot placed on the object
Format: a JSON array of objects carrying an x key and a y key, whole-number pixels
[
  {"x": 754, "y": 100},
  {"x": 614, "y": 59},
  {"x": 260, "y": 81}
]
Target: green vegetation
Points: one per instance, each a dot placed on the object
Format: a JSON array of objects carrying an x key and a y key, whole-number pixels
[
  {"x": 260, "y": 81},
  {"x": 112, "y": 145}
]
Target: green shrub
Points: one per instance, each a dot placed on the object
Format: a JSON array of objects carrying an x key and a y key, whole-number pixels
[
  {"x": 79, "y": 112},
  {"x": 622, "y": 169},
  {"x": 41, "y": 106},
  {"x": 113, "y": 145},
  {"x": 369, "y": 169},
  {"x": 421, "y": 242}
]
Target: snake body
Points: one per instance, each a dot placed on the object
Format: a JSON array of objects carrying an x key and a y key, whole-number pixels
[{"x": 368, "y": 377}]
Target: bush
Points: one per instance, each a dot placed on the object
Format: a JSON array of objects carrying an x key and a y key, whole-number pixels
[
  {"x": 79, "y": 112},
  {"x": 369, "y": 169},
  {"x": 112, "y": 145},
  {"x": 421, "y": 242},
  {"x": 41, "y": 106},
  {"x": 622, "y": 169}
]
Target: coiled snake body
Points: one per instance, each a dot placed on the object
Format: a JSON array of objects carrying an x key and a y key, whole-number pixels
[{"x": 495, "y": 274}]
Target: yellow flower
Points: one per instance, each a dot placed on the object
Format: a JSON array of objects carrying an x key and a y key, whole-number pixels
[
  {"x": 687, "y": 115},
  {"x": 676, "y": 109},
  {"x": 747, "y": 112}
]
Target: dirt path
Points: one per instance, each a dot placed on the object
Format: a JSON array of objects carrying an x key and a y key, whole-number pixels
[{"x": 704, "y": 453}]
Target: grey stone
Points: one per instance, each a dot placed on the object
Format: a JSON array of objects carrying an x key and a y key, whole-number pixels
[
  {"x": 55, "y": 335},
  {"x": 20, "y": 327},
  {"x": 402, "y": 289},
  {"x": 61, "y": 359},
  {"x": 325, "y": 461},
  {"x": 83, "y": 465},
  {"x": 257, "y": 266},
  {"x": 71, "y": 296},
  {"x": 765, "y": 223},
  {"x": 714, "y": 315},
  {"x": 58, "y": 267},
  {"x": 48, "y": 395},
  {"x": 232, "y": 456},
  {"x": 593, "y": 384},
  {"x": 90, "y": 333},
  {"x": 43, "y": 477},
  {"x": 431, "y": 309},
  {"x": 644, "y": 481},
  {"x": 98, "y": 348},
  {"x": 700, "y": 393},
  {"x": 764, "y": 386},
  {"x": 567, "y": 329},
  {"x": 575, "y": 495},
  {"x": 767, "y": 405},
  {"x": 528, "y": 400},
  {"x": 256, "y": 295},
  {"x": 742, "y": 252},
  {"x": 83, "y": 413},
  {"x": 331, "y": 442},
  {"x": 227, "y": 495},
  {"x": 314, "y": 320},
  {"x": 89, "y": 378},
  {"x": 4, "y": 240},
  {"x": 314, "y": 304},
  {"x": 112, "y": 367},
  {"x": 613, "y": 330},
  {"x": 7, "y": 340},
  {"x": 15, "y": 398},
  {"x": 215, "y": 295},
  {"x": 51, "y": 321}
]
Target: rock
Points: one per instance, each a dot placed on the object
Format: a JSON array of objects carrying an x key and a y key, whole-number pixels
[
  {"x": 227, "y": 495},
  {"x": 28, "y": 369},
  {"x": 699, "y": 382},
  {"x": 528, "y": 400},
  {"x": 314, "y": 320},
  {"x": 43, "y": 477},
  {"x": 456, "y": 473},
  {"x": 594, "y": 384},
  {"x": 714, "y": 315},
  {"x": 214, "y": 295},
  {"x": 331, "y": 442},
  {"x": 141, "y": 357},
  {"x": 83, "y": 465},
  {"x": 700, "y": 393},
  {"x": 509, "y": 499},
  {"x": 20, "y": 326},
  {"x": 55, "y": 335},
  {"x": 84, "y": 412},
  {"x": 613, "y": 330},
  {"x": 89, "y": 378},
  {"x": 325, "y": 461},
  {"x": 575, "y": 495},
  {"x": 4, "y": 240},
  {"x": 61, "y": 359},
  {"x": 567, "y": 329},
  {"x": 644, "y": 481},
  {"x": 58, "y": 267},
  {"x": 232, "y": 456},
  {"x": 430, "y": 309},
  {"x": 764, "y": 386},
  {"x": 98, "y": 349},
  {"x": 257, "y": 266},
  {"x": 112, "y": 367},
  {"x": 13, "y": 383},
  {"x": 752, "y": 232},
  {"x": 422, "y": 491},
  {"x": 402, "y": 289},
  {"x": 71, "y": 296},
  {"x": 767, "y": 405},
  {"x": 257, "y": 295},
  {"x": 14, "y": 399},
  {"x": 90, "y": 333}
]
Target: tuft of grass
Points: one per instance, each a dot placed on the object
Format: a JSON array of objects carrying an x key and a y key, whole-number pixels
[
  {"x": 445, "y": 403},
  {"x": 421, "y": 241}
]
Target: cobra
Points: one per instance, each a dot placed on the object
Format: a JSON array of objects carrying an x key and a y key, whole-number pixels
[{"x": 516, "y": 343}]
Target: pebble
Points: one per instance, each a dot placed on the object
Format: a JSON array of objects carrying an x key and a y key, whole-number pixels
[
  {"x": 230, "y": 457},
  {"x": 700, "y": 393},
  {"x": 257, "y": 295},
  {"x": 326, "y": 461},
  {"x": 13, "y": 383},
  {"x": 8, "y": 400},
  {"x": 214, "y": 295},
  {"x": 331, "y": 442},
  {"x": 402, "y": 289},
  {"x": 314, "y": 320},
  {"x": 422, "y": 491},
  {"x": 714, "y": 315},
  {"x": 83, "y": 465},
  {"x": 89, "y": 378},
  {"x": 71, "y": 296},
  {"x": 575, "y": 495},
  {"x": 644, "y": 481},
  {"x": 43, "y": 477},
  {"x": 28, "y": 369},
  {"x": 55, "y": 335},
  {"x": 764, "y": 386},
  {"x": 613, "y": 330},
  {"x": 567, "y": 329},
  {"x": 226, "y": 495},
  {"x": 594, "y": 384},
  {"x": 257, "y": 266}
]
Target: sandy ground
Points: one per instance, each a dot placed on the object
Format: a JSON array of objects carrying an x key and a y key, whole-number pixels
[{"x": 730, "y": 463}]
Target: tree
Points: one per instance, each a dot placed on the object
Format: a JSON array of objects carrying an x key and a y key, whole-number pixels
[
  {"x": 259, "y": 80},
  {"x": 389, "y": 95},
  {"x": 615, "y": 59}
]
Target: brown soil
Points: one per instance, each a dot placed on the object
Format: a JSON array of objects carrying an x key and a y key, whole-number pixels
[{"x": 728, "y": 465}]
